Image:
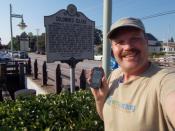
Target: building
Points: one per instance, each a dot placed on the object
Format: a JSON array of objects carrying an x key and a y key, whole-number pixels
[
  {"x": 168, "y": 47},
  {"x": 154, "y": 46}
]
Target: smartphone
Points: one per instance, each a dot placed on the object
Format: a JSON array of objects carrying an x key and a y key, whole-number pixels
[{"x": 97, "y": 74}]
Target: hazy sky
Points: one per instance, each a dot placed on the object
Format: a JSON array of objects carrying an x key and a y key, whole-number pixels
[{"x": 162, "y": 27}]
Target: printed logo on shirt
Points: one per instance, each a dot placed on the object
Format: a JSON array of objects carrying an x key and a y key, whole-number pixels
[{"x": 117, "y": 104}]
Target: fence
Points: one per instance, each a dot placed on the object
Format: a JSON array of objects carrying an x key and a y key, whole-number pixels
[
  {"x": 12, "y": 77},
  {"x": 59, "y": 77}
]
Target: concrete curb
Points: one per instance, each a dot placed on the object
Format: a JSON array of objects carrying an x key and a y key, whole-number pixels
[{"x": 32, "y": 85}]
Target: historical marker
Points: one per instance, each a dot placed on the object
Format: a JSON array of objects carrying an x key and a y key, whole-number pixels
[{"x": 69, "y": 35}]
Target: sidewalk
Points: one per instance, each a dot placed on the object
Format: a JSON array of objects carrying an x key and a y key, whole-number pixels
[{"x": 37, "y": 85}]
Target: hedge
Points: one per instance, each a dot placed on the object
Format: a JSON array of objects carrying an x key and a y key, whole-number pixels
[{"x": 63, "y": 112}]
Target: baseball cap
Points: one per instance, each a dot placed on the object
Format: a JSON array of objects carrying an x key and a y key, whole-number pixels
[{"x": 125, "y": 22}]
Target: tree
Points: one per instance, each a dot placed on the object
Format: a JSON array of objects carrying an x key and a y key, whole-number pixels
[
  {"x": 32, "y": 41},
  {"x": 0, "y": 44},
  {"x": 98, "y": 36},
  {"x": 16, "y": 43},
  {"x": 41, "y": 42},
  {"x": 100, "y": 49},
  {"x": 171, "y": 40}
]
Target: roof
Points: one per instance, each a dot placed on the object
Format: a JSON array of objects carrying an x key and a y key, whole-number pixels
[{"x": 151, "y": 37}]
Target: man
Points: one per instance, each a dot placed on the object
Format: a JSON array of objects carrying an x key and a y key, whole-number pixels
[{"x": 138, "y": 96}]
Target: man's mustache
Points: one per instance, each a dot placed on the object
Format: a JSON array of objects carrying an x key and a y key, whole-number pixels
[{"x": 125, "y": 53}]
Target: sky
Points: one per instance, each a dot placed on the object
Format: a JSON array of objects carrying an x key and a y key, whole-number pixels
[{"x": 162, "y": 27}]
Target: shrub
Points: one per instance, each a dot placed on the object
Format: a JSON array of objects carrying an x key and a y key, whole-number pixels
[{"x": 63, "y": 112}]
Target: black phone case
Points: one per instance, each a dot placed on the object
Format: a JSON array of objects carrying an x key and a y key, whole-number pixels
[{"x": 96, "y": 77}]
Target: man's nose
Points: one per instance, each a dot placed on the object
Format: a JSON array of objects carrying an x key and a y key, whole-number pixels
[{"x": 128, "y": 44}]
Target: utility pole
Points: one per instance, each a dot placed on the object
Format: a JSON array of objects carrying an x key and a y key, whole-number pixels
[
  {"x": 107, "y": 18},
  {"x": 11, "y": 30}
]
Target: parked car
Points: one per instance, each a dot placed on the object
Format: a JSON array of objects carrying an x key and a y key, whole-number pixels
[
  {"x": 13, "y": 54},
  {"x": 23, "y": 55},
  {"x": 98, "y": 57},
  {"x": 5, "y": 57}
]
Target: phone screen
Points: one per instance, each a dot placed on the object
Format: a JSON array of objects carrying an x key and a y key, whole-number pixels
[{"x": 96, "y": 77}]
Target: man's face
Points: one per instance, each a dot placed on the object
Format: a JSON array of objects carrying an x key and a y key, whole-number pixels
[{"x": 130, "y": 48}]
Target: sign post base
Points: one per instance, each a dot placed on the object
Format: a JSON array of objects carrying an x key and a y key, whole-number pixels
[{"x": 72, "y": 63}]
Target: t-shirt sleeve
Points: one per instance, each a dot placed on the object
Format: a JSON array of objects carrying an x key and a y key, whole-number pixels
[{"x": 167, "y": 86}]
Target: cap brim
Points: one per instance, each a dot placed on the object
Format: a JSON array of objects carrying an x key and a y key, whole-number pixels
[{"x": 115, "y": 30}]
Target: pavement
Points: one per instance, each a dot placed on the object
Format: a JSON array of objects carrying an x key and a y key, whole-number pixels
[
  {"x": 36, "y": 84},
  {"x": 51, "y": 70}
]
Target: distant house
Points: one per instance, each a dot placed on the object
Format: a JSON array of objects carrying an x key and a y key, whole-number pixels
[
  {"x": 168, "y": 47},
  {"x": 154, "y": 46}
]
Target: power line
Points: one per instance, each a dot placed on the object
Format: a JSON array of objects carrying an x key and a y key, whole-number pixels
[
  {"x": 151, "y": 16},
  {"x": 158, "y": 14}
]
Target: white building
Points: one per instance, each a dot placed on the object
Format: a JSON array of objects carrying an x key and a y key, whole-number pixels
[
  {"x": 154, "y": 46},
  {"x": 168, "y": 47}
]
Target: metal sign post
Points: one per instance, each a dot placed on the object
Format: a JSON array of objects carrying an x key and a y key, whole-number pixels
[
  {"x": 72, "y": 79},
  {"x": 72, "y": 63}
]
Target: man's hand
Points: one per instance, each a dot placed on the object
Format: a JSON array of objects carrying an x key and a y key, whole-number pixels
[{"x": 100, "y": 94}]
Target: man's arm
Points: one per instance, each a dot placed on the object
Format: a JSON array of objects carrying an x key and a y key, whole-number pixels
[
  {"x": 99, "y": 108},
  {"x": 100, "y": 96},
  {"x": 170, "y": 107}
]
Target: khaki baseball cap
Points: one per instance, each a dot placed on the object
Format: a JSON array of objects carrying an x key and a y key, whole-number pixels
[{"x": 125, "y": 22}]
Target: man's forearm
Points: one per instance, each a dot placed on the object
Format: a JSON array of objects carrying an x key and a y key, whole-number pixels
[{"x": 99, "y": 107}]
